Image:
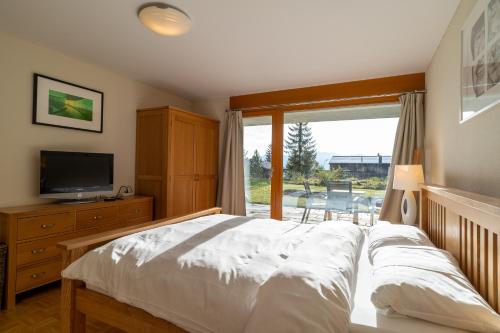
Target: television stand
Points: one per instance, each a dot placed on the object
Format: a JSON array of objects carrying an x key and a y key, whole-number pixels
[{"x": 32, "y": 233}]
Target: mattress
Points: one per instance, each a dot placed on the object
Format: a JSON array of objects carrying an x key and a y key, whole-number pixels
[{"x": 364, "y": 316}]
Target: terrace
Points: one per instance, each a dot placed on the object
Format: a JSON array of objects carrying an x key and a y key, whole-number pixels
[
  {"x": 319, "y": 206},
  {"x": 316, "y": 216}
]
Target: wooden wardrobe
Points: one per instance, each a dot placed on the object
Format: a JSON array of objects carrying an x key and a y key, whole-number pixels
[{"x": 176, "y": 160}]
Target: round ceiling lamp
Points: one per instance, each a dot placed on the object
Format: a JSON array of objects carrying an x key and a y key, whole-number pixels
[{"x": 164, "y": 19}]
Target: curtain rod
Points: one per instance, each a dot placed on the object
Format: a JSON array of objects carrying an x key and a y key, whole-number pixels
[{"x": 263, "y": 107}]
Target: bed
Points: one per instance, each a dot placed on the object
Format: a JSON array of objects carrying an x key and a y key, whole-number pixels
[{"x": 446, "y": 216}]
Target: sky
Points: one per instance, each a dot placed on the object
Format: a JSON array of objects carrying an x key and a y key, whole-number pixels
[{"x": 342, "y": 137}]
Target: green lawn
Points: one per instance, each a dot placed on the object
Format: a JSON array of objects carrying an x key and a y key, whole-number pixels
[{"x": 260, "y": 191}]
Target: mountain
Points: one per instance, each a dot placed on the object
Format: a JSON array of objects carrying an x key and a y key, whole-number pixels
[{"x": 323, "y": 158}]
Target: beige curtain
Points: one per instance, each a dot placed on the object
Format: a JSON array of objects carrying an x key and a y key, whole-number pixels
[
  {"x": 231, "y": 194},
  {"x": 409, "y": 138}
]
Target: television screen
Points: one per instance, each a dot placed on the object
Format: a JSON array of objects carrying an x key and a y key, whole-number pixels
[{"x": 64, "y": 174}]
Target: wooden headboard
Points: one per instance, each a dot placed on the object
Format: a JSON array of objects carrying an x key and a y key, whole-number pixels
[{"x": 467, "y": 225}]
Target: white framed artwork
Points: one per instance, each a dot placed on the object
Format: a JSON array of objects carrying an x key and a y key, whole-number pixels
[{"x": 480, "y": 76}]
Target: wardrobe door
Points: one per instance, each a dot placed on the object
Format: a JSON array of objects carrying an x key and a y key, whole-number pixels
[
  {"x": 207, "y": 140},
  {"x": 150, "y": 148},
  {"x": 181, "y": 170}
]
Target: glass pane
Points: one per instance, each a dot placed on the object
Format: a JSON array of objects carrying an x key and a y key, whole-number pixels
[
  {"x": 257, "y": 139},
  {"x": 336, "y": 163}
]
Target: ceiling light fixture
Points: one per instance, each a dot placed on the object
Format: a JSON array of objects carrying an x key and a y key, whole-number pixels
[{"x": 164, "y": 19}]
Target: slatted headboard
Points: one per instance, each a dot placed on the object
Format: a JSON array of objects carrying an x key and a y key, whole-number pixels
[{"x": 467, "y": 225}]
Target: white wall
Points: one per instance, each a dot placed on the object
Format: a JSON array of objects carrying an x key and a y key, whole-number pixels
[
  {"x": 21, "y": 141},
  {"x": 465, "y": 156},
  {"x": 215, "y": 108}
]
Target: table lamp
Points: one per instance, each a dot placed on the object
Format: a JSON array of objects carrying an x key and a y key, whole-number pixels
[{"x": 407, "y": 178}]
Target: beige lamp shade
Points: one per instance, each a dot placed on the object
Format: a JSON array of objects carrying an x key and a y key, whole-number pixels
[{"x": 407, "y": 177}]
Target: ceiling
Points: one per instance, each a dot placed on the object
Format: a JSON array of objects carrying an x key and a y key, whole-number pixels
[{"x": 241, "y": 46}]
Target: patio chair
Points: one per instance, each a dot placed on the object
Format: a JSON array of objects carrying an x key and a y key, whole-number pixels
[
  {"x": 312, "y": 203},
  {"x": 340, "y": 199}
]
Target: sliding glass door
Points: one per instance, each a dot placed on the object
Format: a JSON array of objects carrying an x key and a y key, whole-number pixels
[
  {"x": 336, "y": 163},
  {"x": 257, "y": 147},
  {"x": 317, "y": 165}
]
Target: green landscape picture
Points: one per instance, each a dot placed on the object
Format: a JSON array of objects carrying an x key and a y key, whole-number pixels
[{"x": 70, "y": 106}]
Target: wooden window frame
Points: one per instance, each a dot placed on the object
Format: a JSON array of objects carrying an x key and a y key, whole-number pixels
[{"x": 275, "y": 104}]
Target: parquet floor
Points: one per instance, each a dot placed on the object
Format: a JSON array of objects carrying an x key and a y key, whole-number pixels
[{"x": 38, "y": 311}]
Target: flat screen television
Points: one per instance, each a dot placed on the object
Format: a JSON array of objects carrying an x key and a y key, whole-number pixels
[{"x": 75, "y": 176}]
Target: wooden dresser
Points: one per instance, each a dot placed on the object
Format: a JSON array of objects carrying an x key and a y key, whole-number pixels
[
  {"x": 176, "y": 160},
  {"x": 32, "y": 232}
]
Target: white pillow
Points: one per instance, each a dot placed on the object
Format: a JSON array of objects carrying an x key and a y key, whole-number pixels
[
  {"x": 425, "y": 282},
  {"x": 386, "y": 234}
]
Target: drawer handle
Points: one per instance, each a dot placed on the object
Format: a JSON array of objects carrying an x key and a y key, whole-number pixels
[
  {"x": 37, "y": 275},
  {"x": 37, "y": 251},
  {"x": 97, "y": 217},
  {"x": 137, "y": 210},
  {"x": 46, "y": 226}
]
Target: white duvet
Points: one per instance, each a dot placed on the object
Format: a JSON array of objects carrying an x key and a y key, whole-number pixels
[{"x": 224, "y": 273}]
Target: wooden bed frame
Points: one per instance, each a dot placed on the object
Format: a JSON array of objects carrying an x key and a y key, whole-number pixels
[{"x": 466, "y": 224}]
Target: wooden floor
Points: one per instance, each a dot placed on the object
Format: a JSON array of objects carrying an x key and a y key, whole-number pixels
[{"x": 38, "y": 311}]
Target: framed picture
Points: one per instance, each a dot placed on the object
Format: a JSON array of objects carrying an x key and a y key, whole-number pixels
[
  {"x": 480, "y": 59},
  {"x": 67, "y": 105}
]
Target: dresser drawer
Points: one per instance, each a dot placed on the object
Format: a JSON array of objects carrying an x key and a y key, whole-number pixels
[
  {"x": 95, "y": 217},
  {"x": 136, "y": 210},
  {"x": 38, "y": 275},
  {"x": 139, "y": 220},
  {"x": 44, "y": 225},
  {"x": 34, "y": 251}
]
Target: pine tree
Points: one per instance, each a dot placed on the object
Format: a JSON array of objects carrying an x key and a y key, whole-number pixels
[
  {"x": 301, "y": 149},
  {"x": 256, "y": 170},
  {"x": 267, "y": 156}
]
